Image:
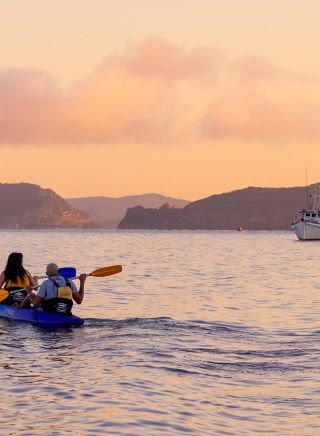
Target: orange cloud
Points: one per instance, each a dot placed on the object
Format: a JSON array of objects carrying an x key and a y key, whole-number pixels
[
  {"x": 155, "y": 57},
  {"x": 112, "y": 105},
  {"x": 254, "y": 117},
  {"x": 30, "y": 104},
  {"x": 148, "y": 94},
  {"x": 251, "y": 67},
  {"x": 115, "y": 105},
  {"x": 128, "y": 98}
]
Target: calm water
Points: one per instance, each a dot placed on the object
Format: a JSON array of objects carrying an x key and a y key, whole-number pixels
[{"x": 204, "y": 333}]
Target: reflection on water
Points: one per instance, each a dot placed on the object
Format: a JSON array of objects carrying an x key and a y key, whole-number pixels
[{"x": 202, "y": 333}]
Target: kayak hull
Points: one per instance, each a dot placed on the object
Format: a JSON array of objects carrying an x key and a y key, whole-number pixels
[{"x": 39, "y": 317}]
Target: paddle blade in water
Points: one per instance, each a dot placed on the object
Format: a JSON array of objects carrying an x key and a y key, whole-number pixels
[{"x": 106, "y": 271}]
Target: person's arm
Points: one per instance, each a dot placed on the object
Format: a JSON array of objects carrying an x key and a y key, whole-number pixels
[
  {"x": 2, "y": 279},
  {"x": 35, "y": 300},
  {"x": 31, "y": 298},
  {"x": 78, "y": 296},
  {"x": 33, "y": 280}
]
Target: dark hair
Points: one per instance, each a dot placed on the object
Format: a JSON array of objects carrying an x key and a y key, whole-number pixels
[{"x": 14, "y": 267}]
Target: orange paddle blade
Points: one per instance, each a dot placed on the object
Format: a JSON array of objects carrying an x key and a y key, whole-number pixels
[{"x": 106, "y": 271}]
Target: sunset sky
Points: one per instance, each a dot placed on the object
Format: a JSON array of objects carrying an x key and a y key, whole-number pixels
[{"x": 187, "y": 98}]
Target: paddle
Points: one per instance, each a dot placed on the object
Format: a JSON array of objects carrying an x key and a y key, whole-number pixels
[
  {"x": 4, "y": 293},
  {"x": 100, "y": 272},
  {"x": 105, "y": 271},
  {"x": 67, "y": 272}
]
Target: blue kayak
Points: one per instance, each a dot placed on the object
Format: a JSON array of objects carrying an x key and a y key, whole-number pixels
[{"x": 39, "y": 317}]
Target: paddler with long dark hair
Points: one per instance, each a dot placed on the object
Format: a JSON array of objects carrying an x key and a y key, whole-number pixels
[{"x": 15, "y": 277}]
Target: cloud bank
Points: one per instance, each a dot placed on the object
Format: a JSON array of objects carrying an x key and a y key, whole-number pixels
[
  {"x": 154, "y": 57},
  {"x": 141, "y": 96},
  {"x": 253, "y": 117}
]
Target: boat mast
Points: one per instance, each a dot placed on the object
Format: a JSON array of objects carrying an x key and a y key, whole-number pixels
[
  {"x": 317, "y": 198},
  {"x": 307, "y": 189}
]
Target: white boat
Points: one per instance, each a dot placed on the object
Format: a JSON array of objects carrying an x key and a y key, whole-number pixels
[{"x": 307, "y": 226}]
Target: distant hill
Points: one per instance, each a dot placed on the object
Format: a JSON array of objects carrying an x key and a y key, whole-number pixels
[
  {"x": 109, "y": 211},
  {"x": 251, "y": 208},
  {"x": 28, "y": 206}
]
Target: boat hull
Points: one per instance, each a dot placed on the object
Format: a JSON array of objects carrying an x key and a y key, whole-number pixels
[
  {"x": 39, "y": 317},
  {"x": 306, "y": 230}
]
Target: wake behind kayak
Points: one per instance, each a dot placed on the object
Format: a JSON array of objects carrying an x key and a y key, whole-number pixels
[{"x": 38, "y": 317}]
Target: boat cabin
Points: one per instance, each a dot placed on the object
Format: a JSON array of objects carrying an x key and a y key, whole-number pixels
[{"x": 309, "y": 215}]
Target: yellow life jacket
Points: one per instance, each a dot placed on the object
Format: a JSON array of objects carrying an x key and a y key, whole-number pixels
[
  {"x": 18, "y": 283},
  {"x": 15, "y": 285},
  {"x": 64, "y": 292},
  {"x": 63, "y": 302}
]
